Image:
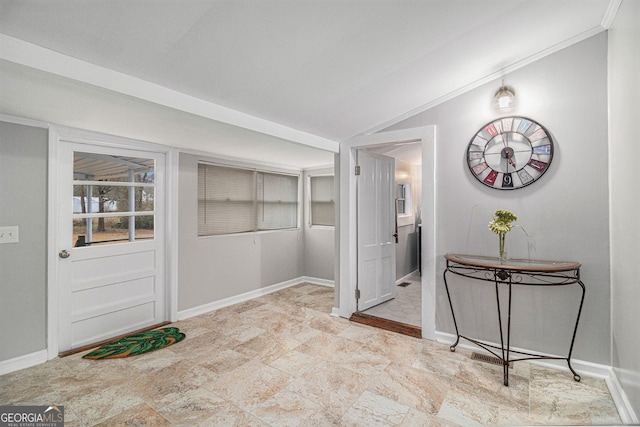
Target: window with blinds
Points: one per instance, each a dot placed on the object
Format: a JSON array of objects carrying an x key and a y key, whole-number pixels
[
  {"x": 322, "y": 202},
  {"x": 234, "y": 200}
]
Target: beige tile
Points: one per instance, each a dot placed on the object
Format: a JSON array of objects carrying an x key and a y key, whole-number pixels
[
  {"x": 228, "y": 415},
  {"x": 345, "y": 353},
  {"x": 290, "y": 409},
  {"x": 169, "y": 384},
  {"x": 483, "y": 383},
  {"x": 416, "y": 418},
  {"x": 202, "y": 346},
  {"x": 222, "y": 362},
  {"x": 357, "y": 332},
  {"x": 330, "y": 347},
  {"x": 267, "y": 347},
  {"x": 295, "y": 363},
  {"x": 70, "y": 418},
  {"x": 282, "y": 360},
  {"x": 103, "y": 404},
  {"x": 461, "y": 410},
  {"x": 192, "y": 408},
  {"x": 34, "y": 395},
  {"x": 249, "y": 385},
  {"x": 439, "y": 359},
  {"x": 154, "y": 361},
  {"x": 328, "y": 324},
  {"x": 412, "y": 387},
  {"x": 330, "y": 386},
  {"x": 365, "y": 361},
  {"x": 562, "y": 400},
  {"x": 139, "y": 415},
  {"x": 398, "y": 348},
  {"x": 374, "y": 410}
]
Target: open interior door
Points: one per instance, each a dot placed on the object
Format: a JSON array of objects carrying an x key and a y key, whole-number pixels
[{"x": 376, "y": 228}]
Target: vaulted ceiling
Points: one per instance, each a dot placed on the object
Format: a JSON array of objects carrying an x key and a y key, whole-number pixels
[{"x": 294, "y": 72}]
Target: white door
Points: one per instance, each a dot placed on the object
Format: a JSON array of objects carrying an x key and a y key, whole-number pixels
[
  {"x": 110, "y": 242},
  {"x": 376, "y": 228}
]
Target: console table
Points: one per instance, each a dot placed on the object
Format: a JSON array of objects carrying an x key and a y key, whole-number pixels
[{"x": 509, "y": 273}]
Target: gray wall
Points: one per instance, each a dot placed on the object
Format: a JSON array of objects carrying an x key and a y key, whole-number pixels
[
  {"x": 217, "y": 267},
  {"x": 624, "y": 99},
  {"x": 318, "y": 241},
  {"x": 566, "y": 212},
  {"x": 23, "y": 202}
]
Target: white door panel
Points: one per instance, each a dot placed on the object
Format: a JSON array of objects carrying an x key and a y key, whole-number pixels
[
  {"x": 111, "y": 281},
  {"x": 376, "y": 226}
]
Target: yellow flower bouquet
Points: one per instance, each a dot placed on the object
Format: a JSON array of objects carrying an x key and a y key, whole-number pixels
[{"x": 501, "y": 225}]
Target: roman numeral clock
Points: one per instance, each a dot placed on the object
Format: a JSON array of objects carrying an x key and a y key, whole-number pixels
[{"x": 510, "y": 153}]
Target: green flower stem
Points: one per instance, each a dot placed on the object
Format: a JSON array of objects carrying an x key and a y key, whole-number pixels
[{"x": 503, "y": 249}]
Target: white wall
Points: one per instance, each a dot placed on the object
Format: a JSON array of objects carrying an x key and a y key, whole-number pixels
[
  {"x": 318, "y": 241},
  {"x": 566, "y": 211},
  {"x": 217, "y": 267},
  {"x": 624, "y": 111}
]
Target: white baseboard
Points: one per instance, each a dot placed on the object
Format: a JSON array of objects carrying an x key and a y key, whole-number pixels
[
  {"x": 236, "y": 299},
  {"x": 317, "y": 281},
  {"x": 22, "y": 362},
  {"x": 625, "y": 410},
  {"x": 405, "y": 278},
  {"x": 588, "y": 369},
  {"x": 335, "y": 312}
]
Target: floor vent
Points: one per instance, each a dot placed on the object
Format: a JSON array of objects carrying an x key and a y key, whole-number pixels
[
  {"x": 488, "y": 359},
  {"x": 404, "y": 284}
]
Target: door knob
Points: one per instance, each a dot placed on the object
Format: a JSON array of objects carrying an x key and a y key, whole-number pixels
[{"x": 64, "y": 254}]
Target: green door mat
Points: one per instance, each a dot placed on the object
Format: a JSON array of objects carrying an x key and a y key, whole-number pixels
[{"x": 132, "y": 345}]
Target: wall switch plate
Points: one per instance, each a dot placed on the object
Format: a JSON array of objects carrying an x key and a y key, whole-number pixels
[{"x": 9, "y": 234}]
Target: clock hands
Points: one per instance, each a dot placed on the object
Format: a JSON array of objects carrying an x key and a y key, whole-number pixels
[{"x": 507, "y": 152}]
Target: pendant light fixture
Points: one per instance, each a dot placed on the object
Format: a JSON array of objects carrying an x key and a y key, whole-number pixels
[{"x": 505, "y": 98}]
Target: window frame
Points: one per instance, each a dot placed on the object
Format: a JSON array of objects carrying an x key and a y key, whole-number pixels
[
  {"x": 255, "y": 201},
  {"x": 309, "y": 203},
  {"x": 408, "y": 199}
]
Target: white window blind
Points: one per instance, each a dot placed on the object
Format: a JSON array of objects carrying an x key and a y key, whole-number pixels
[
  {"x": 277, "y": 201},
  {"x": 322, "y": 200},
  {"x": 233, "y": 200},
  {"x": 226, "y": 200}
]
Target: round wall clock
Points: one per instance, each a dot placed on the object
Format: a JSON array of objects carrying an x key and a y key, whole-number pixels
[{"x": 510, "y": 153}]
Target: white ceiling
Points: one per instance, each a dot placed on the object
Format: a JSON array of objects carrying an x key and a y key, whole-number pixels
[{"x": 309, "y": 71}]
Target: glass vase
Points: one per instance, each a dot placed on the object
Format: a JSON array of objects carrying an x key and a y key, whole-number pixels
[{"x": 503, "y": 249}]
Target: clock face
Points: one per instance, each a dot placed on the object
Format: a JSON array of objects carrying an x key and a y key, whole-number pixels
[{"x": 510, "y": 153}]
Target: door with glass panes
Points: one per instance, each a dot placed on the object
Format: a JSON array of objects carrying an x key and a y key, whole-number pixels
[{"x": 111, "y": 242}]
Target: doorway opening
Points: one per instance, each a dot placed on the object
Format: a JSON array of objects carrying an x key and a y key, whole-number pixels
[{"x": 398, "y": 309}]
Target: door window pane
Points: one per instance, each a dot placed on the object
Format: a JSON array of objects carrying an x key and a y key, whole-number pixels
[
  {"x": 107, "y": 185},
  {"x": 109, "y": 230}
]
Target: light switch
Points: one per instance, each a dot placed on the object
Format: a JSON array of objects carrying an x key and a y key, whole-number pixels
[{"x": 9, "y": 234}]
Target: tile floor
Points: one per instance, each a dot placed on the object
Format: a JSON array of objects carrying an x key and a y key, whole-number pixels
[
  {"x": 281, "y": 360},
  {"x": 406, "y": 306}
]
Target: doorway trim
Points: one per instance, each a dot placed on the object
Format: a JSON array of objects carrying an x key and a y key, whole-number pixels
[
  {"x": 58, "y": 133},
  {"x": 347, "y": 236}
]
